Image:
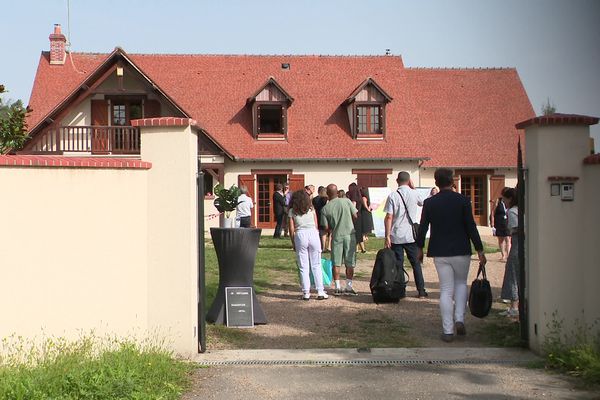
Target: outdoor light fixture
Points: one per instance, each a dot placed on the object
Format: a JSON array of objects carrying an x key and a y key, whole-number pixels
[{"x": 119, "y": 71}]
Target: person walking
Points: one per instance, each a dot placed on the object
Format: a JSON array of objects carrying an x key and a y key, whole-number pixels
[
  {"x": 305, "y": 241},
  {"x": 318, "y": 203},
  {"x": 452, "y": 229},
  {"x": 278, "y": 209},
  {"x": 510, "y": 283},
  {"x": 337, "y": 216},
  {"x": 499, "y": 222},
  {"x": 401, "y": 213},
  {"x": 244, "y": 208},
  {"x": 353, "y": 194}
]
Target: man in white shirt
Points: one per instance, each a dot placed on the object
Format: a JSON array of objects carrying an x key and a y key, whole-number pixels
[
  {"x": 244, "y": 208},
  {"x": 401, "y": 209}
]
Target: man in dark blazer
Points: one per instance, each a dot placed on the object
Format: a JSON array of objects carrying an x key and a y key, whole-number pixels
[
  {"x": 278, "y": 209},
  {"x": 452, "y": 231}
]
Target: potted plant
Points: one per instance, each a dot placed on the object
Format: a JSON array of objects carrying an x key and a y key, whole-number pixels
[{"x": 226, "y": 201}]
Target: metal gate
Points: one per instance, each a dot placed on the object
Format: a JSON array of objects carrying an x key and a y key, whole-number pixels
[{"x": 523, "y": 301}]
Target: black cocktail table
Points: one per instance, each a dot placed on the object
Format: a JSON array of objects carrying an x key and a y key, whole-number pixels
[{"x": 236, "y": 252}]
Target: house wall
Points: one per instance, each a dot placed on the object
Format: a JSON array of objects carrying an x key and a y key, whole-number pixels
[
  {"x": 74, "y": 251},
  {"x": 321, "y": 173},
  {"x": 562, "y": 236}
]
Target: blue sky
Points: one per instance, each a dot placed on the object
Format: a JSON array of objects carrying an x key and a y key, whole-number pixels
[{"x": 555, "y": 45}]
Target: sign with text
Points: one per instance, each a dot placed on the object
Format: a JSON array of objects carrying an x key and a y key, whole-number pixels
[{"x": 239, "y": 308}]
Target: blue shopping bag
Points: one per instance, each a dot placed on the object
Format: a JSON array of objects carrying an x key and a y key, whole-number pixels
[
  {"x": 326, "y": 267},
  {"x": 327, "y": 273}
]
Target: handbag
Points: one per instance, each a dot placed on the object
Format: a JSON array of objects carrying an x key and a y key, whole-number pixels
[
  {"x": 413, "y": 225},
  {"x": 480, "y": 295}
]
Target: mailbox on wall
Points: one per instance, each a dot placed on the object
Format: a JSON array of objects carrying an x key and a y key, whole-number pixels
[
  {"x": 567, "y": 191},
  {"x": 563, "y": 186}
]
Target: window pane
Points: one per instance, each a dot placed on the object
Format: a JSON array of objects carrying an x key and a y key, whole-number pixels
[
  {"x": 270, "y": 119},
  {"x": 119, "y": 114}
]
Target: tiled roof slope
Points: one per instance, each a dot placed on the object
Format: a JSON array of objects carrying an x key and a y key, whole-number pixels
[
  {"x": 467, "y": 116},
  {"x": 463, "y": 118}
]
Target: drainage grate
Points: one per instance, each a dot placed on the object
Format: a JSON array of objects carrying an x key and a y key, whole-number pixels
[{"x": 355, "y": 362}]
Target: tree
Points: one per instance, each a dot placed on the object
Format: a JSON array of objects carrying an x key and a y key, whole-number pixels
[
  {"x": 548, "y": 108},
  {"x": 13, "y": 128}
]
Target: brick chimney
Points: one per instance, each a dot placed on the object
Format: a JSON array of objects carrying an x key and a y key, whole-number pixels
[{"x": 58, "y": 41}]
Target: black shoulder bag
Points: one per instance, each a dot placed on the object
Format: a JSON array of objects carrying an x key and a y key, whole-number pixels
[{"x": 414, "y": 225}]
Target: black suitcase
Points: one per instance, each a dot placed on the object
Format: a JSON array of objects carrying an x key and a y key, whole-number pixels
[{"x": 388, "y": 284}]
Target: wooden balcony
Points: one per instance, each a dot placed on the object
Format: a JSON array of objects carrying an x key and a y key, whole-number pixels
[{"x": 87, "y": 139}]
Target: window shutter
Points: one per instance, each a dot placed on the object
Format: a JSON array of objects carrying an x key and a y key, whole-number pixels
[
  {"x": 284, "y": 120},
  {"x": 381, "y": 120},
  {"x": 100, "y": 112},
  {"x": 296, "y": 182},
  {"x": 496, "y": 186}
]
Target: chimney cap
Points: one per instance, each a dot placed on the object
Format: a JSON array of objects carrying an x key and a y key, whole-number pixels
[{"x": 57, "y": 34}]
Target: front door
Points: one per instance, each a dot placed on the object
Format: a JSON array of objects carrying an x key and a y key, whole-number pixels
[
  {"x": 264, "y": 199},
  {"x": 475, "y": 188}
]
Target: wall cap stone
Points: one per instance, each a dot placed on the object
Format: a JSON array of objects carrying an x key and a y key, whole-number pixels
[
  {"x": 558, "y": 119},
  {"x": 71, "y": 162}
]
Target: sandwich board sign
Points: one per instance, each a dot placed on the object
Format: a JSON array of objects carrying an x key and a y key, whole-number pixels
[{"x": 239, "y": 307}]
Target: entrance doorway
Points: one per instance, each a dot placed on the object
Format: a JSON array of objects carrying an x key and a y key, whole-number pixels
[
  {"x": 265, "y": 185},
  {"x": 475, "y": 188}
]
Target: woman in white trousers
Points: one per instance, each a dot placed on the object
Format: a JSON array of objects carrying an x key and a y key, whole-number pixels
[
  {"x": 306, "y": 242},
  {"x": 452, "y": 229}
]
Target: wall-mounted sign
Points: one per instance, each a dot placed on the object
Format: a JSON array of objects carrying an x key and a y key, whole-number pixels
[
  {"x": 555, "y": 189},
  {"x": 239, "y": 308},
  {"x": 567, "y": 191}
]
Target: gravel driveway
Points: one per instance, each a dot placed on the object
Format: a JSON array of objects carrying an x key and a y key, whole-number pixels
[{"x": 356, "y": 321}]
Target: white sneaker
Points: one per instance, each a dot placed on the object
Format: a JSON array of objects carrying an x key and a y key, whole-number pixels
[{"x": 322, "y": 296}]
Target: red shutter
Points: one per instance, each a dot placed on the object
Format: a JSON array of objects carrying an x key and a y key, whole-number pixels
[
  {"x": 151, "y": 109},
  {"x": 248, "y": 181},
  {"x": 496, "y": 186},
  {"x": 100, "y": 112},
  {"x": 100, "y": 135},
  {"x": 296, "y": 182}
]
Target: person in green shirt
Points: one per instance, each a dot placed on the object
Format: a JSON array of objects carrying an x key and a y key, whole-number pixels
[{"x": 337, "y": 216}]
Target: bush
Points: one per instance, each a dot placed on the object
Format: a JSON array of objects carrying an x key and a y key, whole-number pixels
[
  {"x": 90, "y": 369},
  {"x": 576, "y": 353}
]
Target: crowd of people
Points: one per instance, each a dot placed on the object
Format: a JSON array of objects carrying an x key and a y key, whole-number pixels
[{"x": 338, "y": 221}]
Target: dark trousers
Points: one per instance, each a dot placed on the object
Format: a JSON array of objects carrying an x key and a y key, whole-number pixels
[
  {"x": 411, "y": 252},
  {"x": 279, "y": 219},
  {"x": 245, "y": 222}
]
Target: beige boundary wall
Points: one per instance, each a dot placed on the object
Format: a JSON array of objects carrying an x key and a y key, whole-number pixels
[
  {"x": 113, "y": 250},
  {"x": 562, "y": 240}
]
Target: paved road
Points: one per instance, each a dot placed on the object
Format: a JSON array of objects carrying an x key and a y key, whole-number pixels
[{"x": 501, "y": 379}]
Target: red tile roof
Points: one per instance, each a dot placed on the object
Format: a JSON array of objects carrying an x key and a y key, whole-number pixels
[
  {"x": 458, "y": 118},
  {"x": 558, "y": 119}
]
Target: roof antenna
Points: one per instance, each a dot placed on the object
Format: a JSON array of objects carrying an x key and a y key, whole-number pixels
[
  {"x": 387, "y": 52},
  {"x": 69, "y": 38},
  {"x": 69, "y": 25}
]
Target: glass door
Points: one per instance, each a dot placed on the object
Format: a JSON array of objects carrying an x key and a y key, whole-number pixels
[{"x": 265, "y": 185}]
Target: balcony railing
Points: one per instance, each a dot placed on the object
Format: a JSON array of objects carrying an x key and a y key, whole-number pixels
[{"x": 89, "y": 139}]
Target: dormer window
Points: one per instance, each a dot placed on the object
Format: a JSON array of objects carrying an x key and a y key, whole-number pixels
[
  {"x": 368, "y": 119},
  {"x": 366, "y": 111},
  {"x": 269, "y": 111}
]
